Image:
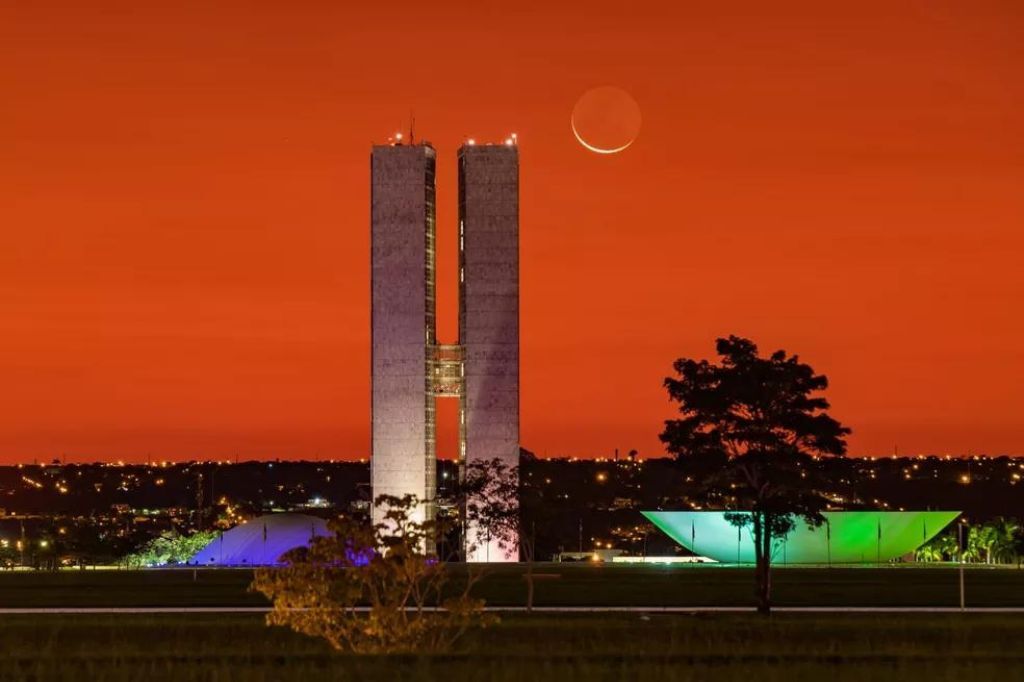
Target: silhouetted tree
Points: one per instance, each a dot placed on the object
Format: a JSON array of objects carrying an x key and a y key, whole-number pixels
[
  {"x": 490, "y": 494},
  {"x": 756, "y": 423},
  {"x": 493, "y": 494}
]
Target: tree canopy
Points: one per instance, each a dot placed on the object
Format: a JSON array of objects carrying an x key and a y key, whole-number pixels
[
  {"x": 752, "y": 427},
  {"x": 170, "y": 548}
]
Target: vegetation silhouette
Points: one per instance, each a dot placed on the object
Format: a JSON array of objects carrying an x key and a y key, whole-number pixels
[
  {"x": 504, "y": 508},
  {"x": 374, "y": 589},
  {"x": 752, "y": 425}
]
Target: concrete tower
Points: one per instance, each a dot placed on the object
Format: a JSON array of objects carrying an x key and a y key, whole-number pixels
[
  {"x": 489, "y": 313},
  {"x": 402, "y": 322},
  {"x": 410, "y": 369}
]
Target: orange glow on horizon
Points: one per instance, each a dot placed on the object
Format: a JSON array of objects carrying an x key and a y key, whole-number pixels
[{"x": 184, "y": 238}]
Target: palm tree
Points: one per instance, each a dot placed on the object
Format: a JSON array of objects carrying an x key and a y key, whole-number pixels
[
  {"x": 979, "y": 544},
  {"x": 1004, "y": 531},
  {"x": 992, "y": 542},
  {"x": 940, "y": 548},
  {"x": 1018, "y": 544},
  {"x": 931, "y": 551}
]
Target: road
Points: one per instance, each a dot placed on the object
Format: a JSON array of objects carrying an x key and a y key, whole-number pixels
[{"x": 90, "y": 610}]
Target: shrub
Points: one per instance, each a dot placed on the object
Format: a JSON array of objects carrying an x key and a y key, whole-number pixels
[{"x": 373, "y": 589}]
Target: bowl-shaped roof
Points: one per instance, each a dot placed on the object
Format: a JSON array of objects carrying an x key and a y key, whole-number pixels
[
  {"x": 261, "y": 541},
  {"x": 846, "y": 537}
]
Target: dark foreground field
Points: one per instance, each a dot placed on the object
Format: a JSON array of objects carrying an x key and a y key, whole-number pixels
[
  {"x": 557, "y": 585},
  {"x": 793, "y": 647}
]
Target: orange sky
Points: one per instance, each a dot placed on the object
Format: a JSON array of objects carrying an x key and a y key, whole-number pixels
[{"x": 184, "y": 220}]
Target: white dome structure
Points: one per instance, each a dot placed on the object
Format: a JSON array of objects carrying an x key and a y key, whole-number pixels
[{"x": 261, "y": 541}]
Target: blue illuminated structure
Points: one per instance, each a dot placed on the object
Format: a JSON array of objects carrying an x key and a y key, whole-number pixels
[{"x": 261, "y": 541}]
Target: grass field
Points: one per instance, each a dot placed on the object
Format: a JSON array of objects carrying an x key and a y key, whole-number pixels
[
  {"x": 622, "y": 646},
  {"x": 559, "y": 585},
  {"x": 794, "y": 648}
]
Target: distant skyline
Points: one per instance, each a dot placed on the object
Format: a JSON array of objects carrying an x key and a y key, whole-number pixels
[{"x": 184, "y": 242}]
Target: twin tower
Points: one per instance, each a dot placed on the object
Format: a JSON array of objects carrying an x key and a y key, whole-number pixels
[{"x": 410, "y": 369}]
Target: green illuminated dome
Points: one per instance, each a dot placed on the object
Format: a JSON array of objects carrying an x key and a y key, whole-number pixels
[{"x": 847, "y": 537}]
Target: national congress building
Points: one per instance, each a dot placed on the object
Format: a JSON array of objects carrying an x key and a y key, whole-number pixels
[{"x": 410, "y": 369}]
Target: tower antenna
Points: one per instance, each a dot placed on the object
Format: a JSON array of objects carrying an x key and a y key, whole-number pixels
[{"x": 412, "y": 127}]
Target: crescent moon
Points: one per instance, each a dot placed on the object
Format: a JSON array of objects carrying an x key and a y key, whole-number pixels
[{"x": 597, "y": 150}]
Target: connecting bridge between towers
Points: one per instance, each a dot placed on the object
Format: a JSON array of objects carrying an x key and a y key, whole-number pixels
[{"x": 446, "y": 370}]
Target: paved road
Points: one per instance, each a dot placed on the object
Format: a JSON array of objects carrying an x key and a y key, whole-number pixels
[{"x": 68, "y": 611}]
